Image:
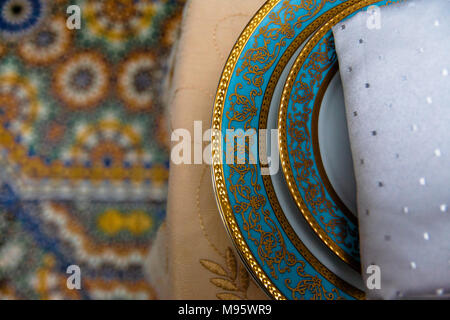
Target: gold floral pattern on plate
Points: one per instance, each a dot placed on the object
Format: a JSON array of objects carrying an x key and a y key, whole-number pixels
[{"x": 260, "y": 237}]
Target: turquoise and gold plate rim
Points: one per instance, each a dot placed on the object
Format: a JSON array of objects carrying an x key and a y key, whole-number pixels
[
  {"x": 269, "y": 247},
  {"x": 300, "y": 153},
  {"x": 301, "y": 162}
]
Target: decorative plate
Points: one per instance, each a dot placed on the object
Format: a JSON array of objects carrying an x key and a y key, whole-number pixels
[
  {"x": 314, "y": 145},
  {"x": 280, "y": 249},
  {"x": 315, "y": 152}
]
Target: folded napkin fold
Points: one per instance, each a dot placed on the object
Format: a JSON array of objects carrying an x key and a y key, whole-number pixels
[{"x": 394, "y": 64}]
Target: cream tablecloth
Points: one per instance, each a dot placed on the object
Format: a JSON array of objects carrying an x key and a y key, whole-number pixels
[{"x": 193, "y": 257}]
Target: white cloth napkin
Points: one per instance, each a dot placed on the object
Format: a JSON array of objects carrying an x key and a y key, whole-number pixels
[{"x": 397, "y": 92}]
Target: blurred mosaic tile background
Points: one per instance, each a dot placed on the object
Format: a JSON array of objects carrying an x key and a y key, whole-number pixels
[{"x": 83, "y": 145}]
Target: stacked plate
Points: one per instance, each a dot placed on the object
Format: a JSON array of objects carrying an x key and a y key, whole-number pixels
[{"x": 282, "y": 165}]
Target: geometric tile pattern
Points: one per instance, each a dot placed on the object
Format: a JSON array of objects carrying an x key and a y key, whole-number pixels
[{"x": 83, "y": 144}]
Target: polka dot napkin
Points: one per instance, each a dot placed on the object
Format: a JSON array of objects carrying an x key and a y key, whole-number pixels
[{"x": 395, "y": 72}]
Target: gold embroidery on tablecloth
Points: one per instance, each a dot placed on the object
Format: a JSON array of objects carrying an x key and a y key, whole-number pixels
[
  {"x": 234, "y": 278},
  {"x": 235, "y": 282}
]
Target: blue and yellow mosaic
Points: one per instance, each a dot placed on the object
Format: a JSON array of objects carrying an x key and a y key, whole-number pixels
[{"x": 83, "y": 150}]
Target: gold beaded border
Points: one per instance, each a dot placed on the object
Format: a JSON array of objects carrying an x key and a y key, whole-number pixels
[{"x": 217, "y": 168}]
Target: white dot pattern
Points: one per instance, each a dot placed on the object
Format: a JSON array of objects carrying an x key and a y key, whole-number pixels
[
  {"x": 396, "y": 87},
  {"x": 437, "y": 153}
]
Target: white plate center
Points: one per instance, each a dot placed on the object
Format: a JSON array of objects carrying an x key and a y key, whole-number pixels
[{"x": 334, "y": 144}]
